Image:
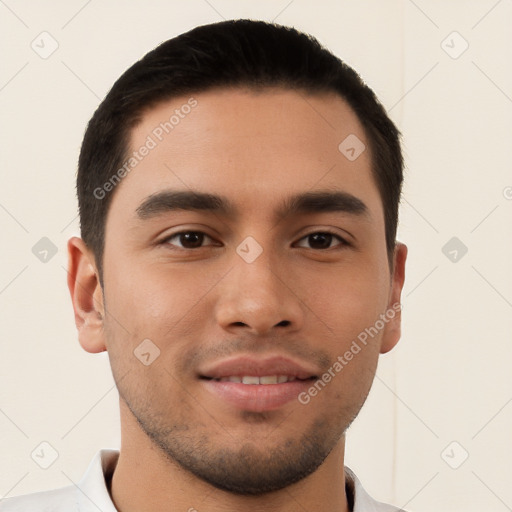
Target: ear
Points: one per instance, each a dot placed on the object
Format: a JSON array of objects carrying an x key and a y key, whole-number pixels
[
  {"x": 86, "y": 295},
  {"x": 392, "y": 331}
]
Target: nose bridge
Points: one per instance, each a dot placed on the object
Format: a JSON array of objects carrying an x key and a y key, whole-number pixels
[
  {"x": 256, "y": 293},
  {"x": 260, "y": 278}
]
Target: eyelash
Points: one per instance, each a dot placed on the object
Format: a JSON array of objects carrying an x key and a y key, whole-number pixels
[{"x": 342, "y": 241}]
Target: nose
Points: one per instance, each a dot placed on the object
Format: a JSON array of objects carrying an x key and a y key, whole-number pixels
[{"x": 259, "y": 297}]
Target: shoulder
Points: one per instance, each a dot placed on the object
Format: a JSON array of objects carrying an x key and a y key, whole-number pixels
[
  {"x": 90, "y": 494},
  {"x": 64, "y": 499}
]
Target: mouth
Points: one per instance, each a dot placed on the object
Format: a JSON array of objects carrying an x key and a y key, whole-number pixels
[
  {"x": 255, "y": 385},
  {"x": 264, "y": 380}
]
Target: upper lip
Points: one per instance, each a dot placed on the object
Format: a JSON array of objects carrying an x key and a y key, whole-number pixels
[{"x": 258, "y": 367}]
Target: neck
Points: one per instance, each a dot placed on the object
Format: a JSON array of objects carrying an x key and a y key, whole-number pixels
[{"x": 145, "y": 480}]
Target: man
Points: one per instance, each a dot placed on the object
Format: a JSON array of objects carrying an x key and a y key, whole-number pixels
[{"x": 238, "y": 191}]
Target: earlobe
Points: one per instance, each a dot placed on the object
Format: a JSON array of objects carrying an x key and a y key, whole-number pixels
[
  {"x": 392, "y": 330},
  {"x": 86, "y": 296}
]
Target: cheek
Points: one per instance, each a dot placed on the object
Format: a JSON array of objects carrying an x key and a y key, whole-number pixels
[
  {"x": 346, "y": 302},
  {"x": 164, "y": 305},
  {"x": 152, "y": 296}
]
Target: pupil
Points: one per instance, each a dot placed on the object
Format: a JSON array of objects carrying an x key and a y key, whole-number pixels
[
  {"x": 191, "y": 239},
  {"x": 324, "y": 240}
]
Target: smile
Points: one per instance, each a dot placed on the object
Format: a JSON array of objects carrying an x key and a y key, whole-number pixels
[{"x": 252, "y": 379}]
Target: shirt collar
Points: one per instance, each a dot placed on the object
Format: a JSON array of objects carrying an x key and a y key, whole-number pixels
[
  {"x": 362, "y": 501},
  {"x": 92, "y": 492}
]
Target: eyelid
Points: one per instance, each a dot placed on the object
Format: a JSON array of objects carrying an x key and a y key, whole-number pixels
[
  {"x": 343, "y": 242},
  {"x": 165, "y": 240}
]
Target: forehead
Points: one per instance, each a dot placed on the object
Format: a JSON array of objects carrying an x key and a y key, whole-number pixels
[{"x": 254, "y": 146}]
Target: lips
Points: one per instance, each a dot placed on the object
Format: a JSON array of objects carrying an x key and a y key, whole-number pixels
[
  {"x": 253, "y": 379},
  {"x": 257, "y": 385},
  {"x": 249, "y": 366}
]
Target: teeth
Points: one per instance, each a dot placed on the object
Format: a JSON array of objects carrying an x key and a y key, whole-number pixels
[
  {"x": 250, "y": 380},
  {"x": 266, "y": 379}
]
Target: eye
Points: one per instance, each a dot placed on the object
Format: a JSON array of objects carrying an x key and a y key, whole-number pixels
[
  {"x": 319, "y": 240},
  {"x": 323, "y": 239},
  {"x": 187, "y": 239}
]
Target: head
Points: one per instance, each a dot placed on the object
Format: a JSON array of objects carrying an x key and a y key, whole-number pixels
[
  {"x": 229, "y": 131},
  {"x": 230, "y": 54}
]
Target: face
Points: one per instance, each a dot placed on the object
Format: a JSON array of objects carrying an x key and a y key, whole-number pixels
[{"x": 250, "y": 290}]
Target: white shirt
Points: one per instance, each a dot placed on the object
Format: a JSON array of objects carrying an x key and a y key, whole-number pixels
[{"x": 91, "y": 493}]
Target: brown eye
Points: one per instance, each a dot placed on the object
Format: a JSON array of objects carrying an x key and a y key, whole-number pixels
[
  {"x": 188, "y": 239},
  {"x": 322, "y": 240}
]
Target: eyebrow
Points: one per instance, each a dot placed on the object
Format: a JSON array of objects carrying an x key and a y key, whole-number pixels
[{"x": 319, "y": 201}]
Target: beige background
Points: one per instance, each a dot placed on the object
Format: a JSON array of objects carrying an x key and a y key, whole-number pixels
[{"x": 448, "y": 380}]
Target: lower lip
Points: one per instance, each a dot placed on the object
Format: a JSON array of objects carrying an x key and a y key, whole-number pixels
[{"x": 257, "y": 397}]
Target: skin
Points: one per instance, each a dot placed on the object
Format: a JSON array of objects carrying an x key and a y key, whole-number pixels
[{"x": 199, "y": 305}]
